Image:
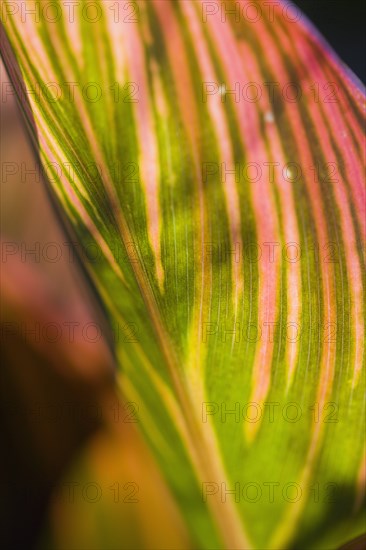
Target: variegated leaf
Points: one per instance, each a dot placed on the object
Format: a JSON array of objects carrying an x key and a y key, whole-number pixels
[{"x": 213, "y": 161}]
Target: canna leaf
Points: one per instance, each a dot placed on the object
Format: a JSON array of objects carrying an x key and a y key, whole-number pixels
[{"x": 213, "y": 162}]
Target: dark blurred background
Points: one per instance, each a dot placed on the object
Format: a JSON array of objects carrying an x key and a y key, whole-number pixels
[{"x": 343, "y": 25}]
